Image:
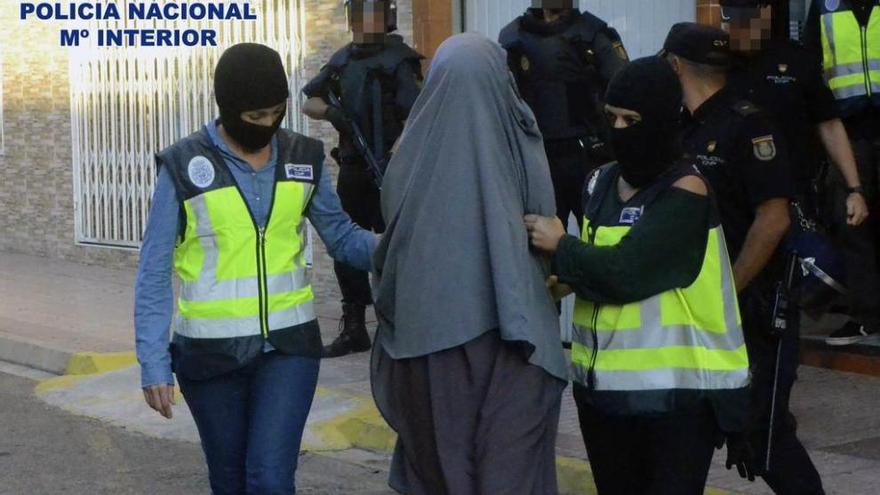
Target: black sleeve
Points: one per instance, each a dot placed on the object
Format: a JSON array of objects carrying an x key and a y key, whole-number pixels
[
  {"x": 663, "y": 251},
  {"x": 762, "y": 162},
  {"x": 821, "y": 103},
  {"x": 407, "y": 77},
  {"x": 320, "y": 84},
  {"x": 812, "y": 31},
  {"x": 610, "y": 53}
]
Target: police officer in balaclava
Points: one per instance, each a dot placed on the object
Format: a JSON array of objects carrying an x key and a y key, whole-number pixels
[
  {"x": 228, "y": 215},
  {"x": 376, "y": 78}
]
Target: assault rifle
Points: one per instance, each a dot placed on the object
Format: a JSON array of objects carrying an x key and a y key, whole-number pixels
[{"x": 360, "y": 142}]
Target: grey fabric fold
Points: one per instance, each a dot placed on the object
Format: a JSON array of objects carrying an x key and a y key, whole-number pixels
[{"x": 455, "y": 261}]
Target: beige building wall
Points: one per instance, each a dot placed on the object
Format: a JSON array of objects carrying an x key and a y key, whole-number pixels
[{"x": 36, "y": 172}]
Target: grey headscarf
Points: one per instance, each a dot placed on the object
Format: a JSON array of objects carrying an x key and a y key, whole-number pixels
[{"x": 455, "y": 259}]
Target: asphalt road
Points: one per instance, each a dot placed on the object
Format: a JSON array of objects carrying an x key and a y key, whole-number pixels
[{"x": 46, "y": 451}]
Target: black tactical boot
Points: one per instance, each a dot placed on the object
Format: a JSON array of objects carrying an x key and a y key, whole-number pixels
[{"x": 353, "y": 336}]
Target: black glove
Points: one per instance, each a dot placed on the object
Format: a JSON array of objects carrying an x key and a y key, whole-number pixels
[{"x": 741, "y": 455}]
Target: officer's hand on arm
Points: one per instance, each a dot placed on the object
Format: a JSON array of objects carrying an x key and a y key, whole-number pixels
[
  {"x": 160, "y": 398},
  {"x": 557, "y": 290},
  {"x": 544, "y": 232}
]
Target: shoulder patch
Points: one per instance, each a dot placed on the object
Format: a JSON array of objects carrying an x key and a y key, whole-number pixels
[
  {"x": 201, "y": 172},
  {"x": 745, "y": 108},
  {"x": 620, "y": 51},
  {"x": 594, "y": 179},
  {"x": 764, "y": 148}
]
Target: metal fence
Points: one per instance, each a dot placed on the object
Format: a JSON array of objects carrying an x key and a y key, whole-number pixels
[
  {"x": 2, "y": 138},
  {"x": 129, "y": 103}
]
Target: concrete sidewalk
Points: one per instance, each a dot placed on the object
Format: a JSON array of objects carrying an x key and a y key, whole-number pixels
[{"x": 53, "y": 314}]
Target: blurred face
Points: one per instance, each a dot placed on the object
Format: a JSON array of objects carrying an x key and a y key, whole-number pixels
[
  {"x": 368, "y": 21},
  {"x": 266, "y": 117},
  {"x": 621, "y": 118},
  {"x": 749, "y": 27}
]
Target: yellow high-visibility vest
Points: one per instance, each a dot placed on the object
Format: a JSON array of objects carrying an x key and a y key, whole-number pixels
[
  {"x": 241, "y": 284},
  {"x": 687, "y": 338},
  {"x": 851, "y": 55}
]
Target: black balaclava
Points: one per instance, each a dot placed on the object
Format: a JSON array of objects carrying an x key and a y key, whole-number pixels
[
  {"x": 249, "y": 76},
  {"x": 645, "y": 150}
]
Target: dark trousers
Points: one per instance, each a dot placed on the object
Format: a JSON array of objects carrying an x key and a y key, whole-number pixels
[
  {"x": 360, "y": 199},
  {"x": 791, "y": 470},
  {"x": 571, "y": 160},
  {"x": 634, "y": 455},
  {"x": 860, "y": 244},
  {"x": 476, "y": 419},
  {"x": 251, "y": 422}
]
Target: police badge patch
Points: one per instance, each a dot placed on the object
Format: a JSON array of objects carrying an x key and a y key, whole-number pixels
[
  {"x": 524, "y": 63},
  {"x": 201, "y": 172},
  {"x": 299, "y": 171},
  {"x": 832, "y": 5},
  {"x": 764, "y": 148}
]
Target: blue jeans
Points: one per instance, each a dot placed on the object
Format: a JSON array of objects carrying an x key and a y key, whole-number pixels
[{"x": 251, "y": 423}]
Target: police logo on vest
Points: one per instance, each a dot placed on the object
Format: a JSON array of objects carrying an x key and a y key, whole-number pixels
[
  {"x": 832, "y": 5},
  {"x": 631, "y": 215},
  {"x": 764, "y": 148},
  {"x": 299, "y": 172},
  {"x": 201, "y": 172},
  {"x": 525, "y": 64}
]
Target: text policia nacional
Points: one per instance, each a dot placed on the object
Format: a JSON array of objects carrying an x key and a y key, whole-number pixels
[{"x": 146, "y": 11}]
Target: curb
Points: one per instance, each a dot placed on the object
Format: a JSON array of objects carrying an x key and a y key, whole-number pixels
[
  {"x": 42, "y": 357},
  {"x": 34, "y": 355}
]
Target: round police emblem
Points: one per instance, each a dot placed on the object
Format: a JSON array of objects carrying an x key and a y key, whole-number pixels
[
  {"x": 201, "y": 172},
  {"x": 832, "y": 5},
  {"x": 525, "y": 64}
]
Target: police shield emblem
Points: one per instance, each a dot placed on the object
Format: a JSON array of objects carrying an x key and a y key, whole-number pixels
[
  {"x": 712, "y": 146},
  {"x": 764, "y": 148},
  {"x": 783, "y": 68},
  {"x": 525, "y": 64},
  {"x": 201, "y": 172},
  {"x": 832, "y": 5}
]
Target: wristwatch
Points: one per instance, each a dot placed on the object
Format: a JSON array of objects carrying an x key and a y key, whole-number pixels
[{"x": 856, "y": 190}]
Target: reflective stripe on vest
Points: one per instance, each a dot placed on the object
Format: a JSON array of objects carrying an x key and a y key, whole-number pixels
[
  {"x": 237, "y": 280},
  {"x": 688, "y": 338},
  {"x": 851, "y": 54}
]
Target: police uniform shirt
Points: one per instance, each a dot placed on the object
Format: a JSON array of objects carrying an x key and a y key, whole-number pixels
[
  {"x": 785, "y": 79},
  {"x": 742, "y": 155}
]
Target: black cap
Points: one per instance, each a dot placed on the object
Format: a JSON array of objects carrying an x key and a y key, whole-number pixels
[{"x": 699, "y": 44}]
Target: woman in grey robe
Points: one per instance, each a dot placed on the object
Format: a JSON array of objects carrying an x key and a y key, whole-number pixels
[{"x": 469, "y": 367}]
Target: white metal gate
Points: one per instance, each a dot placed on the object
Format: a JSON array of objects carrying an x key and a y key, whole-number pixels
[
  {"x": 129, "y": 103},
  {"x": 642, "y": 24}
]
